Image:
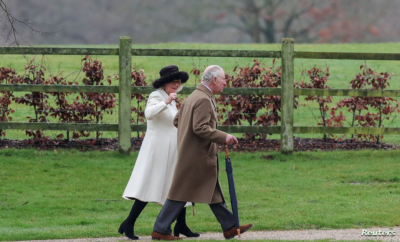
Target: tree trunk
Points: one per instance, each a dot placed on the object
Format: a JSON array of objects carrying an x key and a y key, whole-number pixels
[
  {"x": 256, "y": 34},
  {"x": 269, "y": 32}
]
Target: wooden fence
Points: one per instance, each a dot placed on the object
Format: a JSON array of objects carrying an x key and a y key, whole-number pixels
[{"x": 287, "y": 92}]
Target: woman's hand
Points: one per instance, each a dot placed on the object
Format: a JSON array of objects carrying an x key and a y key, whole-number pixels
[{"x": 172, "y": 96}]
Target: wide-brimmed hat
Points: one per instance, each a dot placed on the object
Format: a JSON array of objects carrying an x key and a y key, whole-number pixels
[{"x": 169, "y": 74}]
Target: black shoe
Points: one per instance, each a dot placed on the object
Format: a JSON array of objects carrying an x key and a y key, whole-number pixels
[
  {"x": 184, "y": 229},
  {"x": 127, "y": 228}
]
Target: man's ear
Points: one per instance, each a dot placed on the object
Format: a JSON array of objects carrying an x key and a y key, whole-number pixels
[{"x": 215, "y": 80}]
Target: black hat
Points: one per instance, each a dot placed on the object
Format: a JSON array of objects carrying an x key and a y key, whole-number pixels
[{"x": 169, "y": 74}]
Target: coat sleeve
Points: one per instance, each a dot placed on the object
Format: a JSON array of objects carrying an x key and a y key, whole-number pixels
[
  {"x": 155, "y": 105},
  {"x": 202, "y": 115}
]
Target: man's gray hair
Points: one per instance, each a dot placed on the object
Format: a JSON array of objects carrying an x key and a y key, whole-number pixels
[{"x": 210, "y": 72}]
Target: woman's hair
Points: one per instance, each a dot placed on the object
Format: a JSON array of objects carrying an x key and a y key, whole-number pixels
[{"x": 211, "y": 72}]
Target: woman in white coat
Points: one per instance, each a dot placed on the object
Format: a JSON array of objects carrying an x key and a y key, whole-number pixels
[{"x": 154, "y": 168}]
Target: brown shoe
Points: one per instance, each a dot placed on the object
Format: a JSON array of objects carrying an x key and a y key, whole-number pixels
[
  {"x": 157, "y": 236},
  {"x": 229, "y": 234}
]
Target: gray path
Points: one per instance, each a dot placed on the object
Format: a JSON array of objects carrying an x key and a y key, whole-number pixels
[{"x": 312, "y": 234}]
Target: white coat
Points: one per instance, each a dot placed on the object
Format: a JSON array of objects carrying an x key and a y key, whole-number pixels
[{"x": 154, "y": 168}]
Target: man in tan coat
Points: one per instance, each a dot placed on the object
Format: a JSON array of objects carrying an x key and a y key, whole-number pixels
[{"x": 196, "y": 173}]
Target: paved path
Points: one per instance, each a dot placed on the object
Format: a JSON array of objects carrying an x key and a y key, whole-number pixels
[{"x": 312, "y": 234}]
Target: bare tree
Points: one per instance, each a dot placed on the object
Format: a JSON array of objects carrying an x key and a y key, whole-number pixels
[
  {"x": 222, "y": 21},
  {"x": 260, "y": 21},
  {"x": 306, "y": 20},
  {"x": 9, "y": 26}
]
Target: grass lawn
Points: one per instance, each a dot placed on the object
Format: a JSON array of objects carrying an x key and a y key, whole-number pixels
[{"x": 71, "y": 194}]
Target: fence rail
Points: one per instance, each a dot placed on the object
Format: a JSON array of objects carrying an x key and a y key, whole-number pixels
[
  {"x": 58, "y": 51},
  {"x": 140, "y": 52},
  {"x": 198, "y": 53},
  {"x": 225, "y": 128},
  {"x": 115, "y": 89},
  {"x": 188, "y": 90},
  {"x": 125, "y": 53},
  {"x": 346, "y": 55}
]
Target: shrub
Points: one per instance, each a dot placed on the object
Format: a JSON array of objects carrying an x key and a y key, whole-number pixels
[
  {"x": 248, "y": 107},
  {"x": 7, "y": 76}
]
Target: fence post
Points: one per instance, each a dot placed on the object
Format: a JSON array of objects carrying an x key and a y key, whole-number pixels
[
  {"x": 287, "y": 96},
  {"x": 124, "y": 110}
]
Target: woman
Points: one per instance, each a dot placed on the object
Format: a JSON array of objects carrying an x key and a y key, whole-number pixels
[{"x": 154, "y": 168}]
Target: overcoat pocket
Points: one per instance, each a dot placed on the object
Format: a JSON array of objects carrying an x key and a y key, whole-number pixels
[{"x": 212, "y": 150}]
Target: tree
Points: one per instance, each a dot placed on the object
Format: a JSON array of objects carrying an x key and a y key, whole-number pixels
[
  {"x": 222, "y": 21},
  {"x": 9, "y": 21},
  {"x": 267, "y": 21},
  {"x": 10, "y": 25},
  {"x": 307, "y": 20}
]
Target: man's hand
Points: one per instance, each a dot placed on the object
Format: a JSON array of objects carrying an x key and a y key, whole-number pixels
[
  {"x": 231, "y": 139},
  {"x": 172, "y": 96}
]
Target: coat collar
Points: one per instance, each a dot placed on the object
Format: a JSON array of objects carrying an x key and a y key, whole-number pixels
[
  {"x": 163, "y": 93},
  {"x": 204, "y": 89}
]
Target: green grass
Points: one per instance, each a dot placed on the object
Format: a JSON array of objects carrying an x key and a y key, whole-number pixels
[
  {"x": 341, "y": 73},
  {"x": 71, "y": 194}
]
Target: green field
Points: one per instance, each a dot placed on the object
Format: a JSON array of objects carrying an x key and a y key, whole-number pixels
[
  {"x": 341, "y": 73},
  {"x": 71, "y": 194}
]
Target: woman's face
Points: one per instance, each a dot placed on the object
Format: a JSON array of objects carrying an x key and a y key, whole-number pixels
[{"x": 172, "y": 87}]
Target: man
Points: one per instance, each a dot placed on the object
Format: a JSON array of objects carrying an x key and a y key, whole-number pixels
[{"x": 196, "y": 173}]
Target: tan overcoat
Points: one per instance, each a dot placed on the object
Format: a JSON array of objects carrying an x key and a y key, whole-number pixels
[{"x": 196, "y": 173}]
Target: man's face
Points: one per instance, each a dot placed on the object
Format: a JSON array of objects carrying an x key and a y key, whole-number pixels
[{"x": 219, "y": 83}]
